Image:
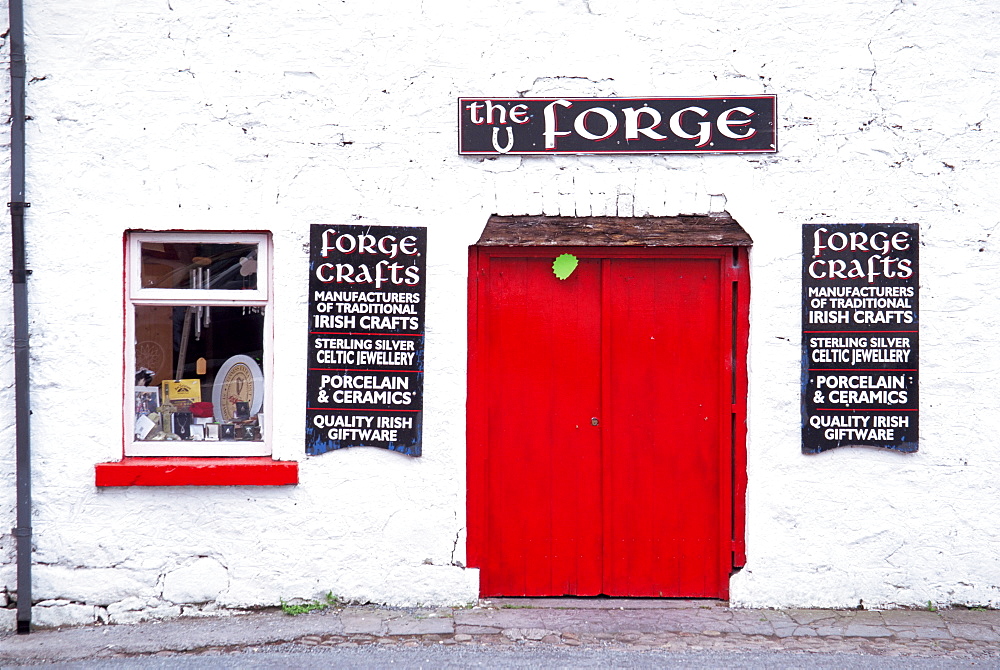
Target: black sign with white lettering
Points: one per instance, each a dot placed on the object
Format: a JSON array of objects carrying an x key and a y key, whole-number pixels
[
  {"x": 365, "y": 379},
  {"x": 860, "y": 336},
  {"x": 733, "y": 124}
]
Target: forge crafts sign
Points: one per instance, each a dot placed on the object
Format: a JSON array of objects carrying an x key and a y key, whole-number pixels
[
  {"x": 733, "y": 124},
  {"x": 366, "y": 338},
  {"x": 859, "y": 336}
]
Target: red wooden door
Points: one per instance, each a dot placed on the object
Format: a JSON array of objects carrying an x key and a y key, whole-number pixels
[{"x": 603, "y": 440}]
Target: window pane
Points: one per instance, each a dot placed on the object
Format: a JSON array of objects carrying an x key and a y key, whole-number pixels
[
  {"x": 195, "y": 265},
  {"x": 199, "y": 373}
]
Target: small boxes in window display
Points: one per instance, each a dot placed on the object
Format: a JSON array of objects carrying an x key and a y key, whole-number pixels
[
  {"x": 145, "y": 424},
  {"x": 147, "y": 399},
  {"x": 242, "y": 411},
  {"x": 182, "y": 392},
  {"x": 201, "y": 411},
  {"x": 190, "y": 419},
  {"x": 181, "y": 424}
]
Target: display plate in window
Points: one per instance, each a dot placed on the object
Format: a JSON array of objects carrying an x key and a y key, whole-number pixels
[{"x": 238, "y": 389}]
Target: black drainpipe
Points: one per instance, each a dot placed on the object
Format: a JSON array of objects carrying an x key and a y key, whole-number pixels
[{"x": 22, "y": 407}]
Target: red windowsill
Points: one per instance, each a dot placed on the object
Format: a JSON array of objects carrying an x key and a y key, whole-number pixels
[{"x": 248, "y": 471}]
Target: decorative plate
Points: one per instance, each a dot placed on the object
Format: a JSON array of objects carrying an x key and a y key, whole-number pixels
[{"x": 240, "y": 379}]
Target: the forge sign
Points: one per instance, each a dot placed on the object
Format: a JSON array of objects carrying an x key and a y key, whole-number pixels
[{"x": 733, "y": 124}]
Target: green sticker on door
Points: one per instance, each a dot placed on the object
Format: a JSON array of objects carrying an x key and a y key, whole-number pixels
[{"x": 564, "y": 265}]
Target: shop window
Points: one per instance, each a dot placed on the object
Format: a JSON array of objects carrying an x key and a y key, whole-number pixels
[{"x": 198, "y": 319}]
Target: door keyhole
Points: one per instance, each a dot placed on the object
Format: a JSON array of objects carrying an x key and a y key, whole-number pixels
[{"x": 594, "y": 421}]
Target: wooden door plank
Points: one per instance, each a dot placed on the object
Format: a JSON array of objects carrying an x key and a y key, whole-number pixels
[
  {"x": 475, "y": 414},
  {"x": 741, "y": 275}
]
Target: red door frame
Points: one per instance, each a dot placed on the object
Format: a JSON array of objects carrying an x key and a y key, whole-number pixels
[{"x": 735, "y": 298}]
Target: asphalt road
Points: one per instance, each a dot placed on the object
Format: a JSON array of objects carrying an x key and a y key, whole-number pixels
[{"x": 447, "y": 657}]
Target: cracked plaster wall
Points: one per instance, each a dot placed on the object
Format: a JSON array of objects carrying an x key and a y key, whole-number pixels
[{"x": 218, "y": 115}]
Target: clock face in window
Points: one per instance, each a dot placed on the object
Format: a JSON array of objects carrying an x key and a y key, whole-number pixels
[{"x": 239, "y": 380}]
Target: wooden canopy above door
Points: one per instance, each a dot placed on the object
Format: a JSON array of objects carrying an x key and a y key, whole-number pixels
[{"x": 713, "y": 230}]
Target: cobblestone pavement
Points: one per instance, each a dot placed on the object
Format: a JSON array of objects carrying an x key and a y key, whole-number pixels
[{"x": 688, "y": 625}]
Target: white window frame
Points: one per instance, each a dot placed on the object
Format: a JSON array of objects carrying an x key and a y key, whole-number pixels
[{"x": 136, "y": 295}]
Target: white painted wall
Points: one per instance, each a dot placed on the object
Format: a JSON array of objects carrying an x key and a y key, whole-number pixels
[{"x": 216, "y": 115}]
